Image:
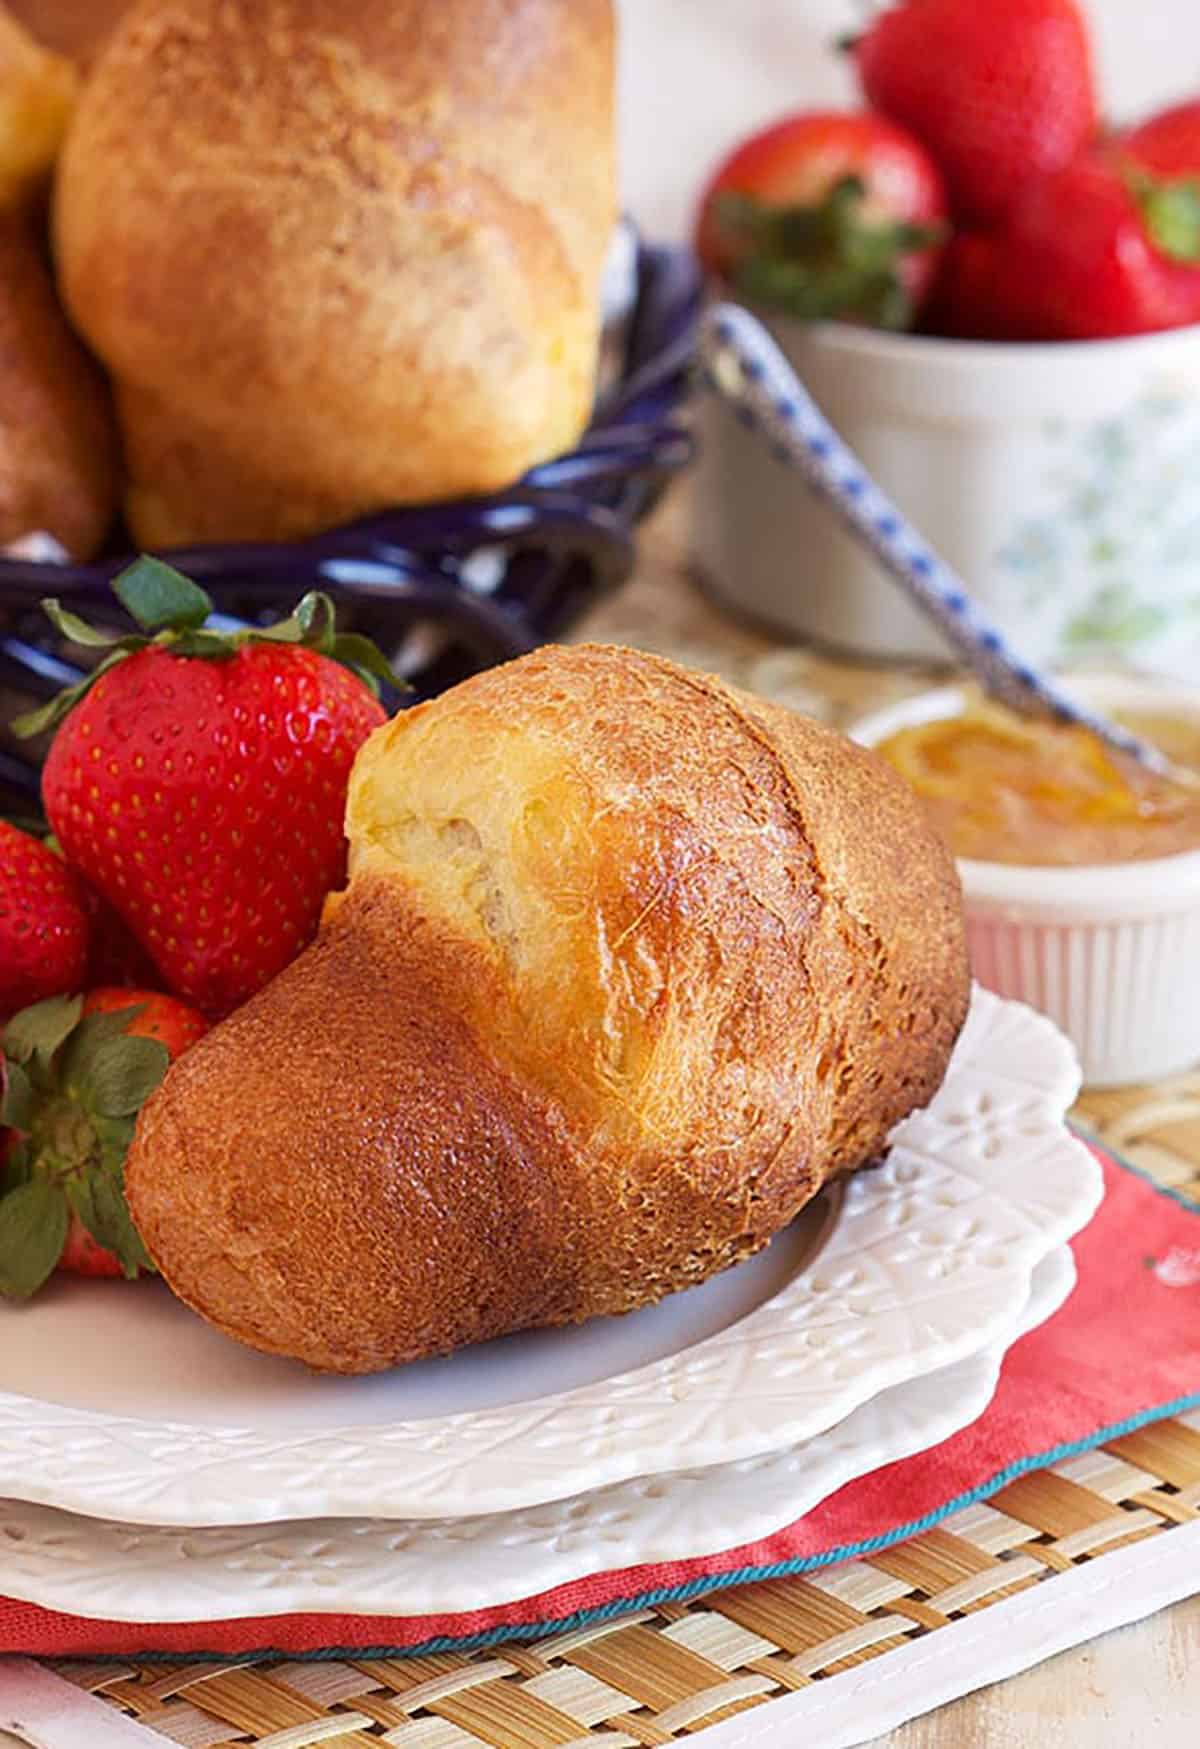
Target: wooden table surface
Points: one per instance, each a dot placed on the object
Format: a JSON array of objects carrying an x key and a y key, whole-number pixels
[{"x": 1137, "y": 1686}]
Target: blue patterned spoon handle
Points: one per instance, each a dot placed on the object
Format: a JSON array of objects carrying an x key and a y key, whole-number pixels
[{"x": 745, "y": 366}]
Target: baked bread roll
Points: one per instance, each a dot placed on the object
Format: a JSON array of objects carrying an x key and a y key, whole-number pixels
[
  {"x": 339, "y": 257},
  {"x": 628, "y": 965},
  {"x": 37, "y": 95},
  {"x": 75, "y": 28},
  {"x": 59, "y": 451}
]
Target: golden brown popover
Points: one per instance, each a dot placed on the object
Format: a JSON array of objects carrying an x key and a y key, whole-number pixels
[
  {"x": 59, "y": 450},
  {"x": 338, "y": 256},
  {"x": 629, "y": 964}
]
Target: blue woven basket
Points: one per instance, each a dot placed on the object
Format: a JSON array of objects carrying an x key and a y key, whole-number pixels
[{"x": 447, "y": 588}]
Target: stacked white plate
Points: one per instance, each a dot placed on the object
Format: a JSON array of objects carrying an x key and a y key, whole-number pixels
[{"x": 152, "y": 1471}]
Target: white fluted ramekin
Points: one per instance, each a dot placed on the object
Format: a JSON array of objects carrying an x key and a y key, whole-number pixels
[{"x": 1111, "y": 952}]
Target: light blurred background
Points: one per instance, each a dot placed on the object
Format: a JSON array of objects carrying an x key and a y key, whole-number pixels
[{"x": 699, "y": 74}]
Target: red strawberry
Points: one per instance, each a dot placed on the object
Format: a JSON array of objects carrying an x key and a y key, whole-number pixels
[
  {"x": 1100, "y": 249},
  {"x": 176, "y": 1026},
  {"x": 76, "y": 1072},
  {"x": 198, "y": 781},
  {"x": 826, "y": 215},
  {"x": 1000, "y": 92},
  {"x": 43, "y": 929},
  {"x": 83, "y": 1255},
  {"x": 115, "y": 955},
  {"x": 980, "y": 292},
  {"x": 1169, "y": 143}
]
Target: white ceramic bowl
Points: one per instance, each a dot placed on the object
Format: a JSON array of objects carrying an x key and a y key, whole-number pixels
[
  {"x": 1059, "y": 479},
  {"x": 1110, "y": 952}
]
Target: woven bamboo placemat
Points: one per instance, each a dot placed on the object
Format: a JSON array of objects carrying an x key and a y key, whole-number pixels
[{"x": 660, "y": 1674}]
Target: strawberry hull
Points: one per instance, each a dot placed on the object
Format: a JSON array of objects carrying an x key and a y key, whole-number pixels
[
  {"x": 74, "y": 1074},
  {"x": 826, "y": 214}
]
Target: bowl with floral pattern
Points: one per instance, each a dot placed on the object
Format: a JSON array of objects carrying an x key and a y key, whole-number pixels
[{"x": 1058, "y": 478}]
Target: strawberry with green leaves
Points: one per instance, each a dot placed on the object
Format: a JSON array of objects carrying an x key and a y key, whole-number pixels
[
  {"x": 1102, "y": 249},
  {"x": 826, "y": 215},
  {"x": 198, "y": 780},
  {"x": 1167, "y": 144},
  {"x": 43, "y": 923},
  {"x": 75, "y": 1072}
]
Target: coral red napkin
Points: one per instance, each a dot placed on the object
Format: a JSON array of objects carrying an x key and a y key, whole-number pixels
[{"x": 1123, "y": 1351}]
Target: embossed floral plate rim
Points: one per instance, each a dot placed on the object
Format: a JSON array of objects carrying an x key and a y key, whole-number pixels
[
  {"x": 120, "y": 1572},
  {"x": 930, "y": 1261}
]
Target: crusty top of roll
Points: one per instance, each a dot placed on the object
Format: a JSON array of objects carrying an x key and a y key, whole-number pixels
[
  {"x": 628, "y": 965},
  {"x": 659, "y": 865}
]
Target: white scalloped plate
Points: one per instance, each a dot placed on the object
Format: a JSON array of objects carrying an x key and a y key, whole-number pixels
[
  {"x": 116, "y": 1403},
  {"x": 121, "y": 1572}
]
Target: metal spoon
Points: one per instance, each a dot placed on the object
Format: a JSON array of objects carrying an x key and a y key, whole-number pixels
[{"x": 745, "y": 366}]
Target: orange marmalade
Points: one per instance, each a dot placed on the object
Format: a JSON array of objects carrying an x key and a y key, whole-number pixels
[{"x": 1002, "y": 788}]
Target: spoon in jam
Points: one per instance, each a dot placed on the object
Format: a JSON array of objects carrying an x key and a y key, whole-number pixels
[{"x": 745, "y": 366}]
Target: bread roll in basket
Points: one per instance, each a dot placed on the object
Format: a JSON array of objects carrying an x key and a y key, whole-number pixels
[
  {"x": 58, "y": 448},
  {"x": 339, "y": 255},
  {"x": 628, "y": 965}
]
